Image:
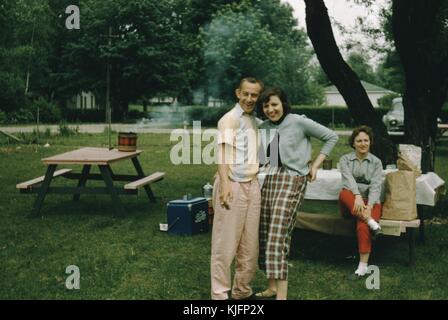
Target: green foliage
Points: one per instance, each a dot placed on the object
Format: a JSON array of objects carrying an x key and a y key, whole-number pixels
[
  {"x": 85, "y": 115},
  {"x": 3, "y": 118},
  {"x": 236, "y": 45},
  {"x": 386, "y": 100},
  {"x": 22, "y": 115},
  {"x": 159, "y": 48},
  {"x": 361, "y": 67},
  {"x": 146, "y": 34},
  {"x": 251, "y": 40},
  {"x": 49, "y": 112},
  {"x": 26, "y": 45},
  {"x": 391, "y": 73},
  {"x": 324, "y": 115},
  {"x": 208, "y": 116},
  {"x": 66, "y": 131}
]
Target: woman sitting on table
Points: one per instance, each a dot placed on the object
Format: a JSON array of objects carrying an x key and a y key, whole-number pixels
[
  {"x": 285, "y": 140},
  {"x": 360, "y": 195}
]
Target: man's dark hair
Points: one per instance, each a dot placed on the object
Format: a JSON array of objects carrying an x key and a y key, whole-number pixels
[{"x": 251, "y": 80}]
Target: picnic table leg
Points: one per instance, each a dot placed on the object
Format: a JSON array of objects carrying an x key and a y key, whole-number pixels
[
  {"x": 140, "y": 173},
  {"x": 82, "y": 181},
  {"x": 421, "y": 212},
  {"x": 411, "y": 240},
  {"x": 43, "y": 190},
  {"x": 105, "y": 172}
]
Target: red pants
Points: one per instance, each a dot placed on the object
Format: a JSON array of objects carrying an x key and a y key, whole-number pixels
[{"x": 346, "y": 202}]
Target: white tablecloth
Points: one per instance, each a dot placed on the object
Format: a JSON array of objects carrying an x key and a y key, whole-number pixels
[{"x": 328, "y": 185}]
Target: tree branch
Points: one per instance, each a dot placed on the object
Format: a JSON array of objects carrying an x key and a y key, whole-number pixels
[{"x": 342, "y": 76}]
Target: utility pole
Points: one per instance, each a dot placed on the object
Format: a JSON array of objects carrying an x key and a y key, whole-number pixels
[
  {"x": 29, "y": 59},
  {"x": 108, "y": 109},
  {"x": 27, "y": 82}
]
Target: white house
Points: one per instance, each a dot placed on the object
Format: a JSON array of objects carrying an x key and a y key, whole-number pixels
[
  {"x": 334, "y": 98},
  {"x": 83, "y": 100}
]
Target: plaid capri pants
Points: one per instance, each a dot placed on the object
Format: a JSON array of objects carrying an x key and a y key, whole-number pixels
[{"x": 281, "y": 197}]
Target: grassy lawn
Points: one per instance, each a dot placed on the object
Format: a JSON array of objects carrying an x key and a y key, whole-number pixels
[{"x": 129, "y": 258}]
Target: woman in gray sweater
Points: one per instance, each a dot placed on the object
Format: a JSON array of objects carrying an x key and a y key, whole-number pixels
[
  {"x": 362, "y": 174},
  {"x": 285, "y": 155}
]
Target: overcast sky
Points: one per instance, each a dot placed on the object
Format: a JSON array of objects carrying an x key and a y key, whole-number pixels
[{"x": 344, "y": 12}]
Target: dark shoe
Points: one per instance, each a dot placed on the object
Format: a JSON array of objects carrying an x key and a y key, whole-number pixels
[
  {"x": 354, "y": 277},
  {"x": 251, "y": 297},
  {"x": 377, "y": 233}
]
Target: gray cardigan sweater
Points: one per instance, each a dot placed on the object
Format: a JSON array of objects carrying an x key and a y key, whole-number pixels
[{"x": 294, "y": 145}]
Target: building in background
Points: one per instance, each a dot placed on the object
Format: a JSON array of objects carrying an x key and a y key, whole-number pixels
[
  {"x": 83, "y": 101},
  {"x": 334, "y": 98}
]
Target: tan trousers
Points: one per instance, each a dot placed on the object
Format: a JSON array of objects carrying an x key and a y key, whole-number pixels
[{"x": 235, "y": 236}]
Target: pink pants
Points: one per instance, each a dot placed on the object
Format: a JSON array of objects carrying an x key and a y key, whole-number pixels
[
  {"x": 235, "y": 236},
  {"x": 346, "y": 202}
]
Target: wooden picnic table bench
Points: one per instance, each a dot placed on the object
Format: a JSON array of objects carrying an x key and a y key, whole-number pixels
[
  {"x": 326, "y": 188},
  {"x": 103, "y": 158},
  {"x": 337, "y": 225}
]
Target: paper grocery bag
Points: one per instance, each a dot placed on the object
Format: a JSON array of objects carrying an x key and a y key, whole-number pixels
[
  {"x": 404, "y": 163},
  {"x": 412, "y": 152},
  {"x": 400, "y": 203}
]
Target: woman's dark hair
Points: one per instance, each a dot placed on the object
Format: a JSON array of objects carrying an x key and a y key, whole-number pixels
[
  {"x": 267, "y": 94},
  {"x": 367, "y": 130}
]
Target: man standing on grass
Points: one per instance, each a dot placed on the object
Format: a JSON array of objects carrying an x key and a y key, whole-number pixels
[{"x": 236, "y": 197}]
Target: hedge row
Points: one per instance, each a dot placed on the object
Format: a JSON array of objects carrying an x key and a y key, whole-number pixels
[
  {"x": 339, "y": 116},
  {"x": 326, "y": 116},
  {"x": 99, "y": 115}
]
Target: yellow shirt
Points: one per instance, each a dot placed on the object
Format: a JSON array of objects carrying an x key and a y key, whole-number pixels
[{"x": 239, "y": 131}]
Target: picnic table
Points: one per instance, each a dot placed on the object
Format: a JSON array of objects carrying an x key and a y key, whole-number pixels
[
  {"x": 327, "y": 186},
  {"x": 88, "y": 157},
  {"x": 442, "y": 128}
]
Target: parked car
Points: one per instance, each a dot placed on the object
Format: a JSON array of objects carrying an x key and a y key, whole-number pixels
[{"x": 394, "y": 118}]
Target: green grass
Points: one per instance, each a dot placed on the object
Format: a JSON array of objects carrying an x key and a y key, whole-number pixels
[{"x": 129, "y": 258}]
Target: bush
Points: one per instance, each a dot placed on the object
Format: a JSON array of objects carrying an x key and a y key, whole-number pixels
[
  {"x": 386, "y": 101},
  {"x": 324, "y": 115},
  {"x": 66, "y": 131},
  {"x": 48, "y": 111},
  {"x": 86, "y": 115},
  {"x": 444, "y": 114},
  {"x": 134, "y": 115},
  {"x": 20, "y": 116},
  {"x": 3, "y": 118},
  {"x": 208, "y": 116}
]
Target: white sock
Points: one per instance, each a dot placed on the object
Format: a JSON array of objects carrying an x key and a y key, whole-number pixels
[
  {"x": 362, "y": 269},
  {"x": 373, "y": 224}
]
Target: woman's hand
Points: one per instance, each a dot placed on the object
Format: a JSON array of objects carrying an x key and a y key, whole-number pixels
[
  {"x": 367, "y": 213},
  {"x": 312, "y": 174},
  {"x": 315, "y": 166},
  {"x": 359, "y": 205}
]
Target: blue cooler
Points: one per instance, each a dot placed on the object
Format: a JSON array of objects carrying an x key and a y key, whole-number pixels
[{"x": 188, "y": 217}]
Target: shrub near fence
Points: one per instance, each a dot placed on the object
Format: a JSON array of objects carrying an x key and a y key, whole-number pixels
[
  {"x": 99, "y": 116},
  {"x": 209, "y": 116},
  {"x": 323, "y": 115}
]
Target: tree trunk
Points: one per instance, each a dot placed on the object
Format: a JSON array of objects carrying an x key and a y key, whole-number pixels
[
  {"x": 417, "y": 37},
  {"x": 346, "y": 81},
  {"x": 119, "y": 109}
]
